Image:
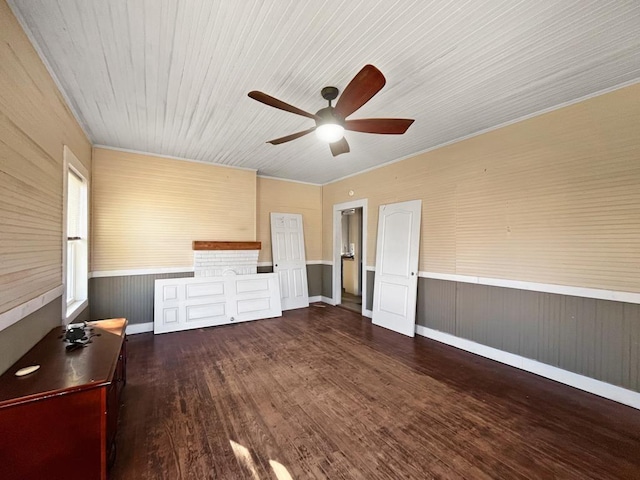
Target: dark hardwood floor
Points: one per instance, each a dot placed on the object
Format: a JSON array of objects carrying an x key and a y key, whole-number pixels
[{"x": 321, "y": 393}]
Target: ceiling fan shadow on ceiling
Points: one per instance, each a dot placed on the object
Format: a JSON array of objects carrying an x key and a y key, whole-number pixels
[{"x": 331, "y": 122}]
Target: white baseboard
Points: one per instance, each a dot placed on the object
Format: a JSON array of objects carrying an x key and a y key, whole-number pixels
[
  {"x": 591, "y": 385},
  {"x": 328, "y": 300},
  {"x": 317, "y": 298},
  {"x": 367, "y": 313},
  {"x": 139, "y": 328}
]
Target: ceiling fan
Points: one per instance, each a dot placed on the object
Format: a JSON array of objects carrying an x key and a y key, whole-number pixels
[{"x": 331, "y": 121}]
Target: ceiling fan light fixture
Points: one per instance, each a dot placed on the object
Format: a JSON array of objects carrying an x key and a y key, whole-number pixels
[
  {"x": 331, "y": 122},
  {"x": 330, "y": 132},
  {"x": 329, "y": 127}
]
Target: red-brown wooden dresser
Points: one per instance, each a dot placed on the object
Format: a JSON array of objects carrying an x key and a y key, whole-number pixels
[{"x": 60, "y": 422}]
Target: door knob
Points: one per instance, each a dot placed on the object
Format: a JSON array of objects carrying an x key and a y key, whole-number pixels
[{"x": 412, "y": 273}]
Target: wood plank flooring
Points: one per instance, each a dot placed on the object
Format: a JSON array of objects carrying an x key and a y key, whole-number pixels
[{"x": 321, "y": 393}]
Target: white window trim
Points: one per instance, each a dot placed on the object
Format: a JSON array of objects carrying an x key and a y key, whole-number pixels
[{"x": 71, "y": 162}]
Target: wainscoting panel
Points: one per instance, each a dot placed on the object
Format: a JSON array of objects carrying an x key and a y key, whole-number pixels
[
  {"x": 314, "y": 277},
  {"x": 596, "y": 338},
  {"x": 437, "y": 301},
  {"x": 17, "y": 339},
  {"x": 129, "y": 296},
  {"x": 599, "y": 339},
  {"x": 371, "y": 276},
  {"x": 327, "y": 281}
]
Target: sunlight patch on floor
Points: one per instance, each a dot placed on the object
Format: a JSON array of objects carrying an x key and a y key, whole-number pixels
[
  {"x": 243, "y": 455},
  {"x": 280, "y": 470}
]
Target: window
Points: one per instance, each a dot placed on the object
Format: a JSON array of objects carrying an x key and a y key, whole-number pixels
[{"x": 76, "y": 254}]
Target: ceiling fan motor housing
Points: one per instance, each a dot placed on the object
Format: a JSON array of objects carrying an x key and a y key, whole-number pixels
[{"x": 328, "y": 115}]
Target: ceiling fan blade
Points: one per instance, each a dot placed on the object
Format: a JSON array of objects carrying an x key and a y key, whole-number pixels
[
  {"x": 274, "y": 102},
  {"x": 388, "y": 126},
  {"x": 293, "y": 136},
  {"x": 364, "y": 85},
  {"x": 339, "y": 147}
]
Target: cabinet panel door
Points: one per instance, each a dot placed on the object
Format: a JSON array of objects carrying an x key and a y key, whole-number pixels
[{"x": 56, "y": 438}]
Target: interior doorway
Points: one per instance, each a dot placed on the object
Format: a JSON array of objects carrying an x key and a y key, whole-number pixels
[
  {"x": 351, "y": 259},
  {"x": 349, "y": 255}
]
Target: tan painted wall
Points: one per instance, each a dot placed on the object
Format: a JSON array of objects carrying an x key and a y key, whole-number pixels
[
  {"x": 35, "y": 123},
  {"x": 290, "y": 197},
  {"x": 552, "y": 199},
  {"x": 147, "y": 210}
]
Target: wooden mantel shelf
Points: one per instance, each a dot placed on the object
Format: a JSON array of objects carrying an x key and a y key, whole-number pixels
[{"x": 206, "y": 245}]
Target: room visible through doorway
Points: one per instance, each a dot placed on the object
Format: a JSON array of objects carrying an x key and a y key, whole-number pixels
[{"x": 351, "y": 259}]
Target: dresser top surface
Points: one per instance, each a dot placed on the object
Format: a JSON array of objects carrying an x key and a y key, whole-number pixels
[{"x": 62, "y": 371}]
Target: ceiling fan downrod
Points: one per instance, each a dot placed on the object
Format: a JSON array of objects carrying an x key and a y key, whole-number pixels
[{"x": 329, "y": 94}]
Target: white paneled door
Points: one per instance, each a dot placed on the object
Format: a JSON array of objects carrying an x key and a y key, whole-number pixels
[
  {"x": 187, "y": 303},
  {"x": 396, "y": 281},
  {"x": 289, "y": 261}
]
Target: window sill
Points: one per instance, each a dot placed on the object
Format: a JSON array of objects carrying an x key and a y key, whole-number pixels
[{"x": 75, "y": 309}]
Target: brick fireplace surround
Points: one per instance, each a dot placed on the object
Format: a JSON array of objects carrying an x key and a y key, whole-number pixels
[{"x": 215, "y": 259}]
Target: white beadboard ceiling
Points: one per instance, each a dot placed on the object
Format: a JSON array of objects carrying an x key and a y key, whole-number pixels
[{"x": 171, "y": 77}]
